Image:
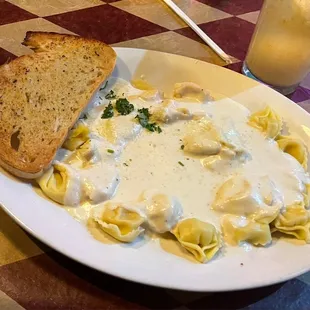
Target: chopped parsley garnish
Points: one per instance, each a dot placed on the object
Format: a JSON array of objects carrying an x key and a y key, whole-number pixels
[
  {"x": 110, "y": 151},
  {"x": 145, "y": 112},
  {"x": 108, "y": 111},
  {"x": 123, "y": 106},
  {"x": 110, "y": 95},
  {"x": 144, "y": 117},
  {"x": 125, "y": 164},
  {"x": 84, "y": 116},
  {"x": 182, "y": 147},
  {"x": 104, "y": 86},
  {"x": 180, "y": 163}
]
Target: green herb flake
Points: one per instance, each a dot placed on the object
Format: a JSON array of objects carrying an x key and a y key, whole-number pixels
[
  {"x": 104, "y": 86},
  {"x": 143, "y": 118},
  {"x": 182, "y": 147},
  {"x": 110, "y": 151},
  {"x": 110, "y": 95},
  {"x": 180, "y": 163},
  {"x": 108, "y": 111},
  {"x": 123, "y": 106},
  {"x": 125, "y": 164}
]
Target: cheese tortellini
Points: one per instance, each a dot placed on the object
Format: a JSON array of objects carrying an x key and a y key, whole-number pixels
[
  {"x": 295, "y": 147},
  {"x": 162, "y": 212},
  {"x": 190, "y": 90},
  {"x": 267, "y": 121},
  {"x": 239, "y": 228},
  {"x": 169, "y": 112},
  {"x": 250, "y": 208},
  {"x": 119, "y": 221},
  {"x": 92, "y": 152},
  {"x": 117, "y": 130},
  {"x": 199, "y": 238},
  {"x": 76, "y": 137},
  {"x": 202, "y": 138},
  {"x": 238, "y": 196},
  {"x": 295, "y": 221},
  {"x": 57, "y": 181}
]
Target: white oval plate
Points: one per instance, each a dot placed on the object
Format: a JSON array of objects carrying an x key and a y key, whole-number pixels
[{"x": 149, "y": 264}]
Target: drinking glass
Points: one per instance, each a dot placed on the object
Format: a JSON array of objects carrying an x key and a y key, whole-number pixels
[{"x": 279, "y": 53}]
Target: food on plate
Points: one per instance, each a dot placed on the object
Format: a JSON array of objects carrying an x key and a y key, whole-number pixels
[
  {"x": 117, "y": 130},
  {"x": 58, "y": 183},
  {"x": 216, "y": 148},
  {"x": 195, "y": 153},
  {"x": 190, "y": 90},
  {"x": 267, "y": 121},
  {"x": 199, "y": 238},
  {"x": 162, "y": 212},
  {"x": 169, "y": 112},
  {"x": 202, "y": 138},
  {"x": 76, "y": 137},
  {"x": 240, "y": 197},
  {"x": 239, "y": 228},
  {"x": 294, "y": 221},
  {"x": 294, "y": 147},
  {"x": 135, "y": 160},
  {"x": 43, "y": 95},
  {"x": 120, "y": 221}
]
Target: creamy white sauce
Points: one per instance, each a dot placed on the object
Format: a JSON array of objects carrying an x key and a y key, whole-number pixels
[
  {"x": 144, "y": 160},
  {"x": 162, "y": 211}
]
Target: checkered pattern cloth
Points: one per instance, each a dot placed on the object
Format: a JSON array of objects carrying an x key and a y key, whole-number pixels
[{"x": 33, "y": 276}]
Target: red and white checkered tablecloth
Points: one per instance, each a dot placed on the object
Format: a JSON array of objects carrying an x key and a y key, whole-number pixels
[{"x": 33, "y": 276}]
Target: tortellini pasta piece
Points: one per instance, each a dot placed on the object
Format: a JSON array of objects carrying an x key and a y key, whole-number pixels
[
  {"x": 294, "y": 147},
  {"x": 83, "y": 157},
  {"x": 117, "y": 130},
  {"x": 199, "y": 238},
  {"x": 92, "y": 152},
  {"x": 76, "y": 137},
  {"x": 107, "y": 130},
  {"x": 295, "y": 221},
  {"x": 58, "y": 184},
  {"x": 238, "y": 228},
  {"x": 225, "y": 158},
  {"x": 169, "y": 112},
  {"x": 265, "y": 215},
  {"x": 267, "y": 121},
  {"x": 190, "y": 90},
  {"x": 150, "y": 95},
  {"x": 142, "y": 84},
  {"x": 119, "y": 221},
  {"x": 89, "y": 153},
  {"x": 100, "y": 182},
  {"x": 202, "y": 138},
  {"x": 162, "y": 212},
  {"x": 306, "y": 195},
  {"x": 240, "y": 197},
  {"x": 199, "y": 145}
]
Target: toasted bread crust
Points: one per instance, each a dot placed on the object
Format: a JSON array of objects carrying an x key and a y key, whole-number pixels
[{"x": 43, "y": 94}]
